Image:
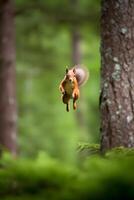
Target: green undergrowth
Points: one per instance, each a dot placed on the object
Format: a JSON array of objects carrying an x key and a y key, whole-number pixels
[
  {"x": 107, "y": 177},
  {"x": 85, "y": 150}
]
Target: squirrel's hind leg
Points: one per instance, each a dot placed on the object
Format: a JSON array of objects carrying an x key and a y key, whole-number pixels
[
  {"x": 75, "y": 97},
  {"x": 67, "y": 107},
  {"x": 74, "y": 104},
  {"x": 66, "y": 99}
]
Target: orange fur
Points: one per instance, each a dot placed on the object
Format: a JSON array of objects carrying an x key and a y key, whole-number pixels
[{"x": 69, "y": 88}]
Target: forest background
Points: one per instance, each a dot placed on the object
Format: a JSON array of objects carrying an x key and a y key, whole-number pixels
[
  {"x": 59, "y": 154},
  {"x": 48, "y": 33}
]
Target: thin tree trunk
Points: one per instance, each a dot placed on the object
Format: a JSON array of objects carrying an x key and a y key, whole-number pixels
[
  {"x": 8, "y": 113},
  {"x": 117, "y": 72},
  {"x": 76, "y": 49},
  {"x": 76, "y": 60},
  {"x": 76, "y": 37}
]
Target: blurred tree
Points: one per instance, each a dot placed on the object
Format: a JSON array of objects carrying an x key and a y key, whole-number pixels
[
  {"x": 76, "y": 55},
  {"x": 117, "y": 98},
  {"x": 76, "y": 48},
  {"x": 76, "y": 37},
  {"x": 7, "y": 77}
]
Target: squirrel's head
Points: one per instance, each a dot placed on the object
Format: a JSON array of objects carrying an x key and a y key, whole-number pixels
[{"x": 70, "y": 75}]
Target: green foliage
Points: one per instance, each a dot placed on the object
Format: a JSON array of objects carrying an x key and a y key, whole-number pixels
[
  {"x": 121, "y": 152},
  {"x": 63, "y": 12},
  {"x": 48, "y": 178},
  {"x": 85, "y": 150}
]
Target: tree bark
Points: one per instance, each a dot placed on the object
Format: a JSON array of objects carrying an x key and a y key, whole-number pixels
[
  {"x": 117, "y": 73},
  {"x": 8, "y": 114}
]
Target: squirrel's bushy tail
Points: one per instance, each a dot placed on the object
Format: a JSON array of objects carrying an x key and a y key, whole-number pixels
[{"x": 82, "y": 74}]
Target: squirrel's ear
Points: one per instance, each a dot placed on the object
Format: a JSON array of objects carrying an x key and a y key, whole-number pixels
[
  {"x": 66, "y": 70},
  {"x": 74, "y": 70}
]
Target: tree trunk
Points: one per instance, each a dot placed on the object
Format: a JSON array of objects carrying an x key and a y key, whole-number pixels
[
  {"x": 8, "y": 113},
  {"x": 76, "y": 49},
  {"x": 76, "y": 60},
  {"x": 117, "y": 72},
  {"x": 76, "y": 37}
]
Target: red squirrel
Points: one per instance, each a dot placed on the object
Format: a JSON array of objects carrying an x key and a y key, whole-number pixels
[{"x": 69, "y": 86}]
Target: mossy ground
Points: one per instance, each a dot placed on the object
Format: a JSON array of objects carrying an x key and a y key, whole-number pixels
[{"x": 96, "y": 177}]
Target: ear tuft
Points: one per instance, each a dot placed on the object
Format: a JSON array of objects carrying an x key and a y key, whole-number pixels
[
  {"x": 67, "y": 70},
  {"x": 74, "y": 70}
]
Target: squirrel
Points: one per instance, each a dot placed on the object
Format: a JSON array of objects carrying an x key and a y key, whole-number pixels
[{"x": 69, "y": 86}]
